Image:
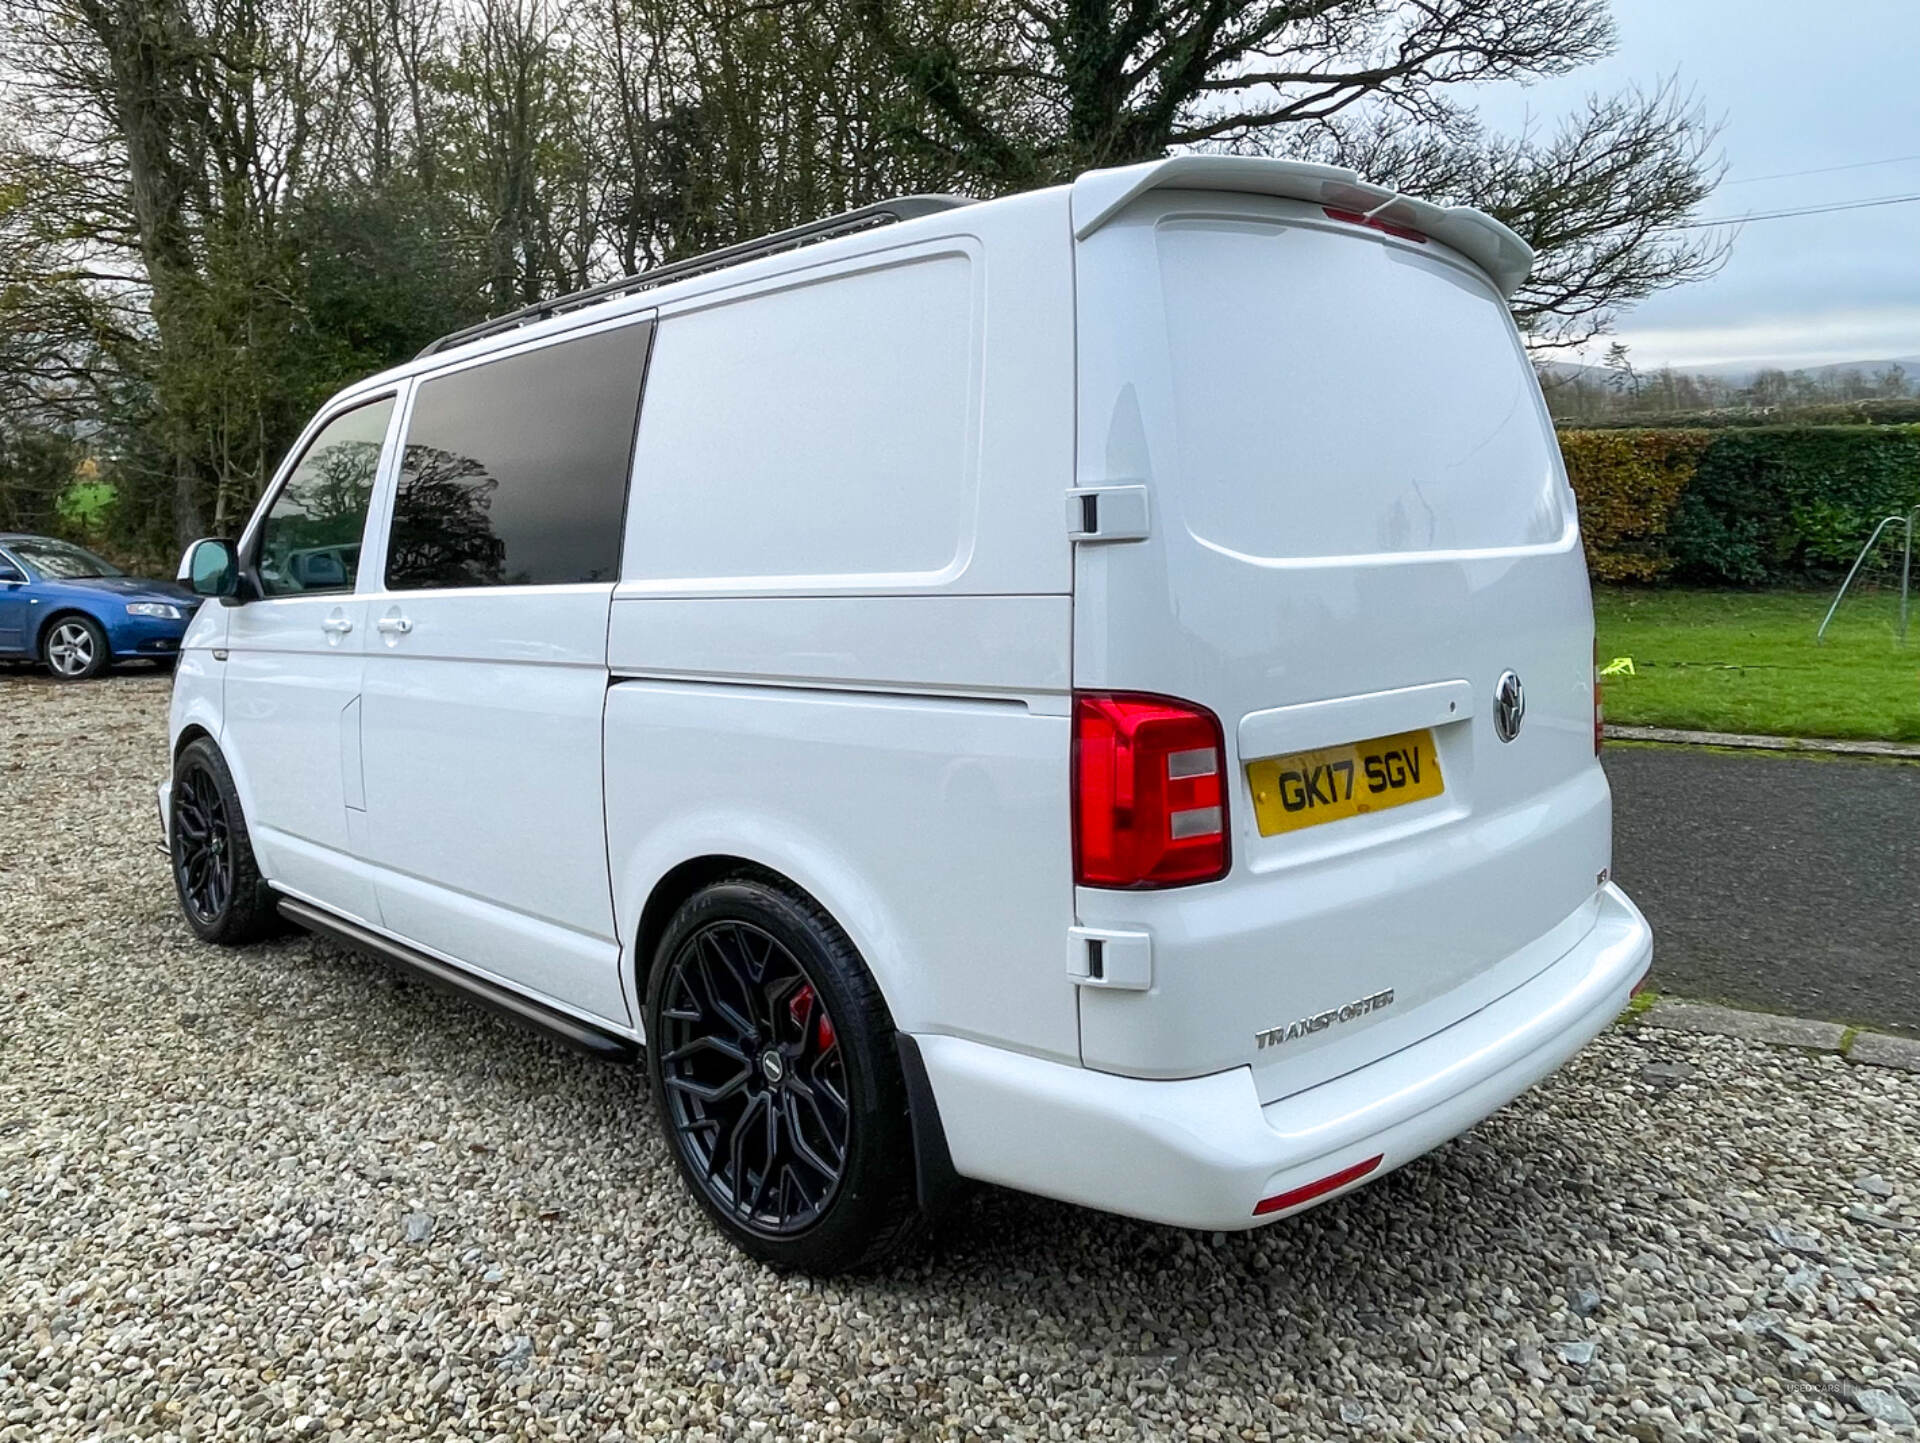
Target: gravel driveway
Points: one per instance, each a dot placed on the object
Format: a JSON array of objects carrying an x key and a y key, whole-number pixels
[{"x": 279, "y": 1194}]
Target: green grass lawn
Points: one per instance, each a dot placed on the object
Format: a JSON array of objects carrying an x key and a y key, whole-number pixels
[{"x": 1745, "y": 661}]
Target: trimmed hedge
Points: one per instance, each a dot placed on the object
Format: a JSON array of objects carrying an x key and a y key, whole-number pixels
[
  {"x": 1629, "y": 483},
  {"x": 1751, "y": 506}
]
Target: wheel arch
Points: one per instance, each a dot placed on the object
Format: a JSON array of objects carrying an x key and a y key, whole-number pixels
[
  {"x": 676, "y": 860},
  {"x": 936, "y": 1183},
  {"x": 191, "y": 733},
  {"x": 203, "y": 722},
  {"x": 681, "y": 880},
  {"x": 59, "y": 613},
  {"x": 669, "y": 894}
]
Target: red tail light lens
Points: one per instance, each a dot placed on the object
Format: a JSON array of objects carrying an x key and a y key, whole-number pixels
[
  {"x": 1354, "y": 217},
  {"x": 1149, "y": 792}
]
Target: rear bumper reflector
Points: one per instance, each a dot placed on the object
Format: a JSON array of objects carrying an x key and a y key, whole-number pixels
[{"x": 1280, "y": 1202}]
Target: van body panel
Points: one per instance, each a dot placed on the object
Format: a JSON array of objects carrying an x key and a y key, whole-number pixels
[
  {"x": 934, "y": 829},
  {"x": 892, "y": 416},
  {"x": 292, "y": 676},
  {"x": 1314, "y": 580},
  {"x": 1203, "y": 1152},
  {"x": 834, "y": 421},
  {"x": 1306, "y": 725},
  {"x": 480, "y": 731},
  {"x": 985, "y": 644},
  {"x": 848, "y": 622},
  {"x": 1442, "y": 917}
]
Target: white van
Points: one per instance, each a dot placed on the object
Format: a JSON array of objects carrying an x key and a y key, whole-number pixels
[{"x": 1090, "y": 691}]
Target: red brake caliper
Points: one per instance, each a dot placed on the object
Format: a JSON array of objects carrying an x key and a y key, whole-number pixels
[{"x": 801, "y": 1007}]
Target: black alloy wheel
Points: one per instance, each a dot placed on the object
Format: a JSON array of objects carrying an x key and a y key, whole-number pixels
[
  {"x": 222, "y": 894},
  {"x": 203, "y": 847},
  {"x": 754, "y": 1076},
  {"x": 777, "y": 1077}
]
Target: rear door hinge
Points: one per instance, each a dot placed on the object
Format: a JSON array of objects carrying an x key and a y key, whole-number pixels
[
  {"x": 1107, "y": 513},
  {"x": 1103, "y": 957}
]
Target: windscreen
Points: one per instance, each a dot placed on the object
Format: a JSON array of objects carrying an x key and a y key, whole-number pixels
[{"x": 1338, "y": 395}]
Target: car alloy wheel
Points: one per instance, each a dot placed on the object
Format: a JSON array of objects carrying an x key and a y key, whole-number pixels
[
  {"x": 202, "y": 846},
  {"x": 755, "y": 1080},
  {"x": 70, "y": 649}
]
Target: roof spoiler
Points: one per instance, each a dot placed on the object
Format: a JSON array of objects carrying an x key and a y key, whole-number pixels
[{"x": 1100, "y": 195}]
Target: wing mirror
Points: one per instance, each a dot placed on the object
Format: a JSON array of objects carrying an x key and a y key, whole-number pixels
[
  {"x": 211, "y": 567},
  {"x": 11, "y": 575}
]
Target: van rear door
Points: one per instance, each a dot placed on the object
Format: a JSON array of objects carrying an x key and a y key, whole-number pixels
[{"x": 1358, "y": 533}]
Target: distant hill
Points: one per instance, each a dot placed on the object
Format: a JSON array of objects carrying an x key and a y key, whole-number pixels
[
  {"x": 1741, "y": 373},
  {"x": 1748, "y": 393},
  {"x": 1878, "y": 411},
  {"x": 1738, "y": 374}
]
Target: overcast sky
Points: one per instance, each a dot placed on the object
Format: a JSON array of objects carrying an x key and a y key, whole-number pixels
[{"x": 1799, "y": 87}]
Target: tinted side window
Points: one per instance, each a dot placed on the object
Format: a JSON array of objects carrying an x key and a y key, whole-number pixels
[
  {"x": 515, "y": 472},
  {"x": 310, "y": 540}
]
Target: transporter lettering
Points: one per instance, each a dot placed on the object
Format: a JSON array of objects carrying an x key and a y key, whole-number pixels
[{"x": 1321, "y": 1021}]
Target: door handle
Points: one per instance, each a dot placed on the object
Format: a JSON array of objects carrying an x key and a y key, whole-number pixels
[
  {"x": 338, "y": 625},
  {"x": 394, "y": 625}
]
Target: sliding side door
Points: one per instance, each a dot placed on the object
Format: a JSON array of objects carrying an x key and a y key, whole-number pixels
[{"x": 486, "y": 672}]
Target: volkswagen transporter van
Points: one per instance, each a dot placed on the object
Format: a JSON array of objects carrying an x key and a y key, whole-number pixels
[{"x": 1090, "y": 691}]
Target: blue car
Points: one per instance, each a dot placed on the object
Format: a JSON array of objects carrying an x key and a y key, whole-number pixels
[{"x": 64, "y": 605}]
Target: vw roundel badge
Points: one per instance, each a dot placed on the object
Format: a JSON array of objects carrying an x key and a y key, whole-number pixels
[{"x": 1509, "y": 706}]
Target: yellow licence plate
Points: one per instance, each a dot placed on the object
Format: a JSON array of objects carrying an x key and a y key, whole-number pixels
[{"x": 1307, "y": 788}]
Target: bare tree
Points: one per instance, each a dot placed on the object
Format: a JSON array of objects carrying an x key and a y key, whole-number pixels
[
  {"x": 1031, "y": 91},
  {"x": 121, "y": 69},
  {"x": 1603, "y": 198},
  {"x": 212, "y": 212},
  {"x": 1035, "y": 90}
]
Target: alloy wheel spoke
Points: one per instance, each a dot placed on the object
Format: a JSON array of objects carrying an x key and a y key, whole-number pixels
[
  {"x": 750, "y": 969},
  {"x": 720, "y": 1007},
  {"x": 711, "y": 1091},
  {"x": 716, "y": 1155},
  {"x": 830, "y": 1129},
  {"x": 769, "y": 1154},
  {"x": 801, "y": 1147},
  {"x": 823, "y": 1084},
  {"x": 721, "y": 1045},
  {"x": 737, "y": 1142}
]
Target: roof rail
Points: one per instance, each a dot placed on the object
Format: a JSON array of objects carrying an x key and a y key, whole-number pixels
[{"x": 886, "y": 212}]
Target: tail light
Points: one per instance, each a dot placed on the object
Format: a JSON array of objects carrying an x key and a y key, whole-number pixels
[
  {"x": 1599, "y": 710},
  {"x": 1280, "y": 1202},
  {"x": 1354, "y": 217},
  {"x": 1149, "y": 792}
]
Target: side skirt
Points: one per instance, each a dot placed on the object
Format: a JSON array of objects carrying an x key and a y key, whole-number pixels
[{"x": 570, "y": 1030}]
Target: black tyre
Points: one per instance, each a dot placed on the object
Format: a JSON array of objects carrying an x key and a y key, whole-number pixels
[
  {"x": 778, "y": 1080},
  {"x": 222, "y": 893},
  {"x": 75, "y": 648}
]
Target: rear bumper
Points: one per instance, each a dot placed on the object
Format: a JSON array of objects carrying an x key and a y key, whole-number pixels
[{"x": 1202, "y": 1152}]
